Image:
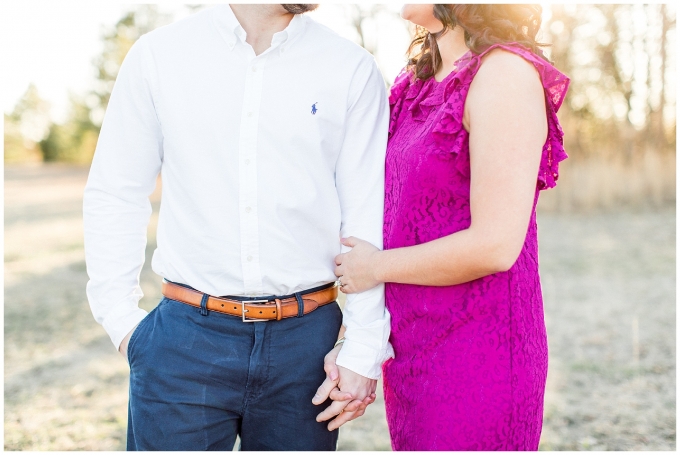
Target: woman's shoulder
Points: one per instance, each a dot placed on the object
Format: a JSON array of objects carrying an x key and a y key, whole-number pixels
[
  {"x": 508, "y": 72},
  {"x": 515, "y": 65},
  {"x": 505, "y": 63},
  {"x": 514, "y": 74}
]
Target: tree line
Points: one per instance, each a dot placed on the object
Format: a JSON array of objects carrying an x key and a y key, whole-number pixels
[
  {"x": 621, "y": 60},
  {"x": 31, "y": 136}
]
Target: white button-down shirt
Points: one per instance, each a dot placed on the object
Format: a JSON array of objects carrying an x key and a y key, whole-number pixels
[{"x": 266, "y": 162}]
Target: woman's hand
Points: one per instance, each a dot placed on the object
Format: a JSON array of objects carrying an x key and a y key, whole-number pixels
[{"x": 356, "y": 268}]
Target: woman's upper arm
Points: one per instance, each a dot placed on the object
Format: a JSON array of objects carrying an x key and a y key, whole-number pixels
[{"x": 505, "y": 115}]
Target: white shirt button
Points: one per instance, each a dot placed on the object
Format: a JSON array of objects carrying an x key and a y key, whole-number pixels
[
  {"x": 249, "y": 258},
  {"x": 250, "y": 114},
  {"x": 254, "y": 69},
  {"x": 247, "y": 161},
  {"x": 248, "y": 209}
]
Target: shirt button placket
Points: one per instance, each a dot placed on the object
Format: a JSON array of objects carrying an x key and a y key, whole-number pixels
[{"x": 249, "y": 222}]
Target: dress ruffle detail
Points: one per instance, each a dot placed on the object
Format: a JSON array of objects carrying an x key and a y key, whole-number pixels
[
  {"x": 420, "y": 97},
  {"x": 401, "y": 85}
]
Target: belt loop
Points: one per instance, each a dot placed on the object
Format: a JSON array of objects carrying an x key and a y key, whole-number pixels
[
  {"x": 204, "y": 305},
  {"x": 301, "y": 305},
  {"x": 279, "y": 312}
]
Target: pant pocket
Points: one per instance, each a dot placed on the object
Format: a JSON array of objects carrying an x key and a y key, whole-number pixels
[{"x": 139, "y": 335}]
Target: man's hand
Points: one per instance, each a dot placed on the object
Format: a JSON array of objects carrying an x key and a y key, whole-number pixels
[
  {"x": 343, "y": 386},
  {"x": 124, "y": 344}
]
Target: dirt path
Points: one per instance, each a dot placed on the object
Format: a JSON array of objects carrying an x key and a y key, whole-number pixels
[{"x": 609, "y": 287}]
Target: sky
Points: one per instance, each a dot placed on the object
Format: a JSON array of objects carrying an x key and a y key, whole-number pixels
[{"x": 53, "y": 44}]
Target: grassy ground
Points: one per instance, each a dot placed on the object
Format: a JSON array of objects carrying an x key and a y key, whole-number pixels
[{"x": 609, "y": 288}]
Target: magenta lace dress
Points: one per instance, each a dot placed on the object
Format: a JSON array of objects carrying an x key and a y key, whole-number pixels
[{"x": 471, "y": 359}]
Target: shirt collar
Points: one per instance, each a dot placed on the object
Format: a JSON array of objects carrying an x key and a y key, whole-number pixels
[{"x": 232, "y": 32}]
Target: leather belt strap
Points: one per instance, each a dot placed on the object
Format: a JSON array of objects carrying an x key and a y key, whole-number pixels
[{"x": 252, "y": 310}]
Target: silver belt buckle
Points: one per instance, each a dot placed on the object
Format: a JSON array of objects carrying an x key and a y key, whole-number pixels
[{"x": 244, "y": 311}]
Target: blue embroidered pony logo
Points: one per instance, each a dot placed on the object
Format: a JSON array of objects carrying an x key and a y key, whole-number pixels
[{"x": 314, "y": 109}]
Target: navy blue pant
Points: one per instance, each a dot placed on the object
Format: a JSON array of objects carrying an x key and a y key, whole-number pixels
[{"x": 198, "y": 381}]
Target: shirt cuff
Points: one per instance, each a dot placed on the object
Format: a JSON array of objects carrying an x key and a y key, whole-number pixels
[
  {"x": 363, "y": 359},
  {"x": 119, "y": 324}
]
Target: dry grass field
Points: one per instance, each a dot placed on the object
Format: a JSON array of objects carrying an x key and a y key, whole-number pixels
[{"x": 608, "y": 282}]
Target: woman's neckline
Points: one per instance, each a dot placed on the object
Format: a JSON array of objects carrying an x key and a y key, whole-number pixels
[{"x": 453, "y": 70}]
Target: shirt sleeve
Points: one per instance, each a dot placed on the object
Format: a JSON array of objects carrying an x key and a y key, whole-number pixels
[
  {"x": 116, "y": 206},
  {"x": 360, "y": 182}
]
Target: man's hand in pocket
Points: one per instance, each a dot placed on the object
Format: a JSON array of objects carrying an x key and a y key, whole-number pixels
[{"x": 124, "y": 344}]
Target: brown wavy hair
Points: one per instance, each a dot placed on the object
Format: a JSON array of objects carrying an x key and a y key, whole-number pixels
[{"x": 484, "y": 26}]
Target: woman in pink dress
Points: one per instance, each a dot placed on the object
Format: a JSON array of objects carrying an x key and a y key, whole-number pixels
[{"x": 473, "y": 138}]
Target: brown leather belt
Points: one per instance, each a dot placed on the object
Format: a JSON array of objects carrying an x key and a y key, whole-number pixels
[{"x": 253, "y": 310}]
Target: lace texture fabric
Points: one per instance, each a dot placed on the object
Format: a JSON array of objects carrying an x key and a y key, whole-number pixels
[{"x": 470, "y": 360}]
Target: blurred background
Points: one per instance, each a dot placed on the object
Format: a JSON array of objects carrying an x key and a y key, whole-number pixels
[{"x": 607, "y": 232}]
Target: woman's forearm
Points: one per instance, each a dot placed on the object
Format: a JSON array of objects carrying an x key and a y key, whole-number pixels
[{"x": 457, "y": 258}]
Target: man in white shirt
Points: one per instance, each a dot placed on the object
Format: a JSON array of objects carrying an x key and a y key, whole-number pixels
[{"x": 269, "y": 132}]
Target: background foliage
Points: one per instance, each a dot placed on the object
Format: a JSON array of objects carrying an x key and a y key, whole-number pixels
[
  {"x": 74, "y": 141},
  {"x": 619, "y": 115}
]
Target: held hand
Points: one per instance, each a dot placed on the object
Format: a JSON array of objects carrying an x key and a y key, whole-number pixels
[
  {"x": 343, "y": 403},
  {"x": 360, "y": 387},
  {"x": 356, "y": 268},
  {"x": 329, "y": 387},
  {"x": 124, "y": 344}
]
